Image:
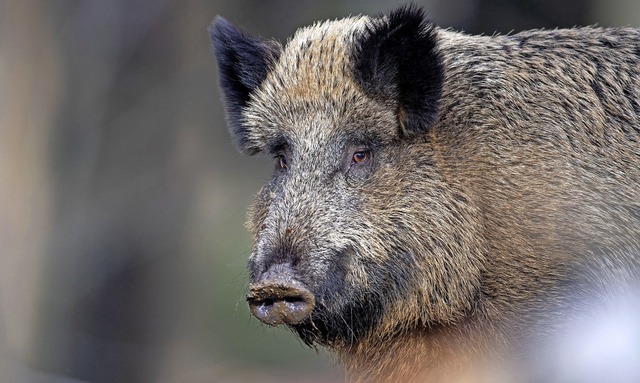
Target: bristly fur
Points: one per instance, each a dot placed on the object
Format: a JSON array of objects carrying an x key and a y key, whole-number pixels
[
  {"x": 243, "y": 64},
  {"x": 396, "y": 59},
  {"x": 518, "y": 199}
]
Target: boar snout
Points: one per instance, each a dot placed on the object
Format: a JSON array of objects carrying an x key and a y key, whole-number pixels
[{"x": 277, "y": 297}]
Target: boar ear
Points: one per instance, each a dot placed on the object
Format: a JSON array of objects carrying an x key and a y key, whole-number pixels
[
  {"x": 243, "y": 64},
  {"x": 396, "y": 59}
]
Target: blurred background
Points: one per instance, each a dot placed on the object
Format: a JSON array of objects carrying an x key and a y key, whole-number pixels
[{"x": 122, "y": 199}]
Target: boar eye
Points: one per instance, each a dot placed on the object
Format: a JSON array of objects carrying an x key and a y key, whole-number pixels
[{"x": 360, "y": 157}]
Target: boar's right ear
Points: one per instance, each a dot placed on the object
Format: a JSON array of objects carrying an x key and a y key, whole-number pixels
[
  {"x": 396, "y": 59},
  {"x": 243, "y": 64}
]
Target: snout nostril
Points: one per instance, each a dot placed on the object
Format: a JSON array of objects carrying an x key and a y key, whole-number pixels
[
  {"x": 293, "y": 299},
  {"x": 266, "y": 302}
]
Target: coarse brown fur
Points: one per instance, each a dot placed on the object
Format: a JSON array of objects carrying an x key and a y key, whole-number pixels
[{"x": 476, "y": 228}]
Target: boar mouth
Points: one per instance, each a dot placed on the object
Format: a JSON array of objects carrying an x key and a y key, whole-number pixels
[{"x": 327, "y": 313}]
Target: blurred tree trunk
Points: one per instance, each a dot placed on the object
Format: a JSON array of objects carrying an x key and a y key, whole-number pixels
[
  {"x": 30, "y": 87},
  {"x": 112, "y": 293}
]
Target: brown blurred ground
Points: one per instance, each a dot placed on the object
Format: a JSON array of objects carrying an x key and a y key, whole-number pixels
[{"x": 122, "y": 201}]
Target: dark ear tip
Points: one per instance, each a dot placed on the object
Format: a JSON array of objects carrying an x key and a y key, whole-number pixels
[
  {"x": 398, "y": 59},
  {"x": 219, "y": 20},
  {"x": 411, "y": 15},
  {"x": 243, "y": 64},
  {"x": 220, "y": 27},
  {"x": 219, "y": 23}
]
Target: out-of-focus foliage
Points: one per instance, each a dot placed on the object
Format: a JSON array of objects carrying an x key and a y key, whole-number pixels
[{"x": 122, "y": 200}]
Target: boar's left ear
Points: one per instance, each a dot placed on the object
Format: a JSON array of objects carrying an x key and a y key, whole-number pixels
[
  {"x": 243, "y": 64},
  {"x": 396, "y": 59}
]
